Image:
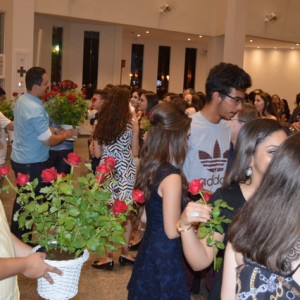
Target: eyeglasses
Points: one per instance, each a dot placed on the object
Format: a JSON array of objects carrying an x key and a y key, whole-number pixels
[{"x": 237, "y": 100}]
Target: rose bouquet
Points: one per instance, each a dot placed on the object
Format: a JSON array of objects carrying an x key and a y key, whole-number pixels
[
  {"x": 72, "y": 214},
  {"x": 208, "y": 229},
  {"x": 66, "y": 105}
]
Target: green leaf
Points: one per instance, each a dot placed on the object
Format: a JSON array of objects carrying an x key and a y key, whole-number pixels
[
  {"x": 70, "y": 223},
  {"x": 215, "y": 212},
  {"x": 66, "y": 188}
]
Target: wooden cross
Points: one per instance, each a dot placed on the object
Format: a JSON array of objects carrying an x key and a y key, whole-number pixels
[{"x": 22, "y": 71}]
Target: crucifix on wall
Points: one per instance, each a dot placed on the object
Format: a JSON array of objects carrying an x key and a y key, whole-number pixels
[{"x": 22, "y": 71}]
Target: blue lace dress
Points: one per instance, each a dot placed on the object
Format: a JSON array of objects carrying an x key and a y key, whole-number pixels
[
  {"x": 158, "y": 271},
  {"x": 255, "y": 281}
]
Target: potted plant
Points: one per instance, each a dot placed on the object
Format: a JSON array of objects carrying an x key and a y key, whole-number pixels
[
  {"x": 7, "y": 108},
  {"x": 71, "y": 215},
  {"x": 66, "y": 105}
]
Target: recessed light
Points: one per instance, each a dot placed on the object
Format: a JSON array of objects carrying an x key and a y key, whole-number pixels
[
  {"x": 188, "y": 39},
  {"x": 200, "y": 36},
  {"x": 251, "y": 41},
  {"x": 147, "y": 31},
  {"x": 297, "y": 44},
  {"x": 138, "y": 35},
  {"x": 258, "y": 47}
]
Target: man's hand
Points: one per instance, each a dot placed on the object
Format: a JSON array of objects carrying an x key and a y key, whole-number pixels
[{"x": 35, "y": 267}]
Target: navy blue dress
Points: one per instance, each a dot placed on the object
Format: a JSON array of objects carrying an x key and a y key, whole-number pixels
[{"x": 158, "y": 271}]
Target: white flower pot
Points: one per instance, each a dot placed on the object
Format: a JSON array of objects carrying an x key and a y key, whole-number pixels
[
  {"x": 66, "y": 127},
  {"x": 64, "y": 286}
]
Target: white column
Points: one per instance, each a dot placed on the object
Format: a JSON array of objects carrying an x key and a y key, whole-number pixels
[{"x": 235, "y": 32}]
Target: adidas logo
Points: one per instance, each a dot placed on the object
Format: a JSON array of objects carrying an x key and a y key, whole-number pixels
[{"x": 215, "y": 163}]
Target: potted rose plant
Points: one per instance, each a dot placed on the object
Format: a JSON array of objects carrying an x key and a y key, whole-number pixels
[
  {"x": 71, "y": 215},
  {"x": 66, "y": 105}
]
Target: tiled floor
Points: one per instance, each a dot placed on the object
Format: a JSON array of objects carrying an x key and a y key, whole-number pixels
[{"x": 94, "y": 284}]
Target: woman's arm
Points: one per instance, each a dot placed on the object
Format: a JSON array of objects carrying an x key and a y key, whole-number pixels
[
  {"x": 135, "y": 144},
  {"x": 196, "y": 251},
  {"x": 97, "y": 149},
  {"x": 170, "y": 189},
  {"x": 229, "y": 274}
]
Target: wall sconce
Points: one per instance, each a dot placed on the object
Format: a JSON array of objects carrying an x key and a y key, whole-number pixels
[
  {"x": 165, "y": 8},
  {"x": 272, "y": 18}
]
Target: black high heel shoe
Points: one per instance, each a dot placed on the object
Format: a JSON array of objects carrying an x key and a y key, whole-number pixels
[
  {"x": 104, "y": 266},
  {"x": 125, "y": 261},
  {"x": 134, "y": 247}
]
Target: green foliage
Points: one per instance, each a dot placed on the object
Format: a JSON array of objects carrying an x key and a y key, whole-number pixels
[
  {"x": 208, "y": 229},
  {"x": 69, "y": 108},
  {"x": 71, "y": 214},
  {"x": 7, "y": 108}
]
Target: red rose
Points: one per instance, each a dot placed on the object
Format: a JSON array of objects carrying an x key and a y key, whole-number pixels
[
  {"x": 206, "y": 196},
  {"x": 75, "y": 86},
  {"x": 71, "y": 98},
  {"x": 73, "y": 159},
  {"x": 15, "y": 94},
  {"x": 103, "y": 168},
  {"x": 55, "y": 89},
  {"x": 22, "y": 179},
  {"x": 110, "y": 162},
  {"x": 119, "y": 207},
  {"x": 83, "y": 90},
  {"x": 138, "y": 196},
  {"x": 196, "y": 186},
  {"x": 4, "y": 170},
  {"x": 100, "y": 178},
  {"x": 49, "y": 175}
]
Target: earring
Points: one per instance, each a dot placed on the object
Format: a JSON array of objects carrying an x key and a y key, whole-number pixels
[{"x": 249, "y": 172}]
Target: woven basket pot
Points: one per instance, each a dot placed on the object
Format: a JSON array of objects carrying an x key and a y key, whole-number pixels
[
  {"x": 64, "y": 286},
  {"x": 66, "y": 127}
]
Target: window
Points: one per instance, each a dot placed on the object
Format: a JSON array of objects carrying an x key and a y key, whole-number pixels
[
  {"x": 162, "y": 83},
  {"x": 56, "y": 59},
  {"x": 189, "y": 68},
  {"x": 137, "y": 59},
  {"x": 90, "y": 62}
]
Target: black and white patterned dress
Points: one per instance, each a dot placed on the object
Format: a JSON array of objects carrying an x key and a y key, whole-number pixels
[{"x": 125, "y": 171}]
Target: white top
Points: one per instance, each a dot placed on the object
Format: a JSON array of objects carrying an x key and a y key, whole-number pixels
[{"x": 9, "y": 289}]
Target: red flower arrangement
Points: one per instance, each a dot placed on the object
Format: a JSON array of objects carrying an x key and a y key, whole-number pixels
[
  {"x": 72, "y": 214},
  {"x": 66, "y": 105}
]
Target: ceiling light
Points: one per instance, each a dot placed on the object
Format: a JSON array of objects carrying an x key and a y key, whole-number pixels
[
  {"x": 188, "y": 39},
  {"x": 147, "y": 31},
  {"x": 258, "y": 47},
  {"x": 297, "y": 44},
  {"x": 138, "y": 35},
  {"x": 200, "y": 36},
  {"x": 251, "y": 41}
]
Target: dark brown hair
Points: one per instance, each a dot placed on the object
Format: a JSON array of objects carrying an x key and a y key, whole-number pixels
[
  {"x": 166, "y": 143},
  {"x": 250, "y": 136},
  {"x": 113, "y": 117},
  {"x": 267, "y": 229}
]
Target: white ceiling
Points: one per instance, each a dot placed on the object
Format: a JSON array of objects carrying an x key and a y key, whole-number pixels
[{"x": 189, "y": 18}]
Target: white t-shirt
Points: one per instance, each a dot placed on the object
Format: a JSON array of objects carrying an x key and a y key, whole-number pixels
[
  {"x": 208, "y": 150},
  {"x": 3, "y": 143},
  {"x": 9, "y": 289}
]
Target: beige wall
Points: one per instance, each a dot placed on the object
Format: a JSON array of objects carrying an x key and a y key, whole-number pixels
[{"x": 275, "y": 71}]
